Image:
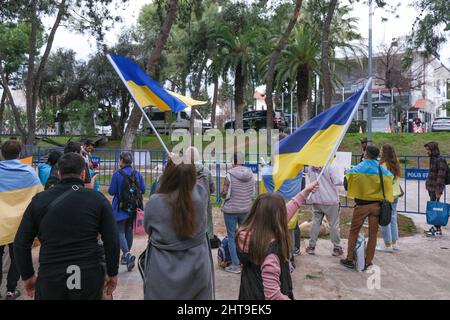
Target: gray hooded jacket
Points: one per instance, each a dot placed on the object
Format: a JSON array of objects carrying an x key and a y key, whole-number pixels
[{"x": 241, "y": 190}]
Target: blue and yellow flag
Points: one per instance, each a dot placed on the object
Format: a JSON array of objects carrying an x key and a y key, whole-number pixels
[
  {"x": 314, "y": 141},
  {"x": 146, "y": 91},
  {"x": 364, "y": 183},
  {"x": 18, "y": 185}
]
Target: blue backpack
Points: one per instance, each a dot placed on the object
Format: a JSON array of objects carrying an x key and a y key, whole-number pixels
[{"x": 223, "y": 254}]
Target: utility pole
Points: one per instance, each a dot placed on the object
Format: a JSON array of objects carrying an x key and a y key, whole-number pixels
[{"x": 369, "y": 91}]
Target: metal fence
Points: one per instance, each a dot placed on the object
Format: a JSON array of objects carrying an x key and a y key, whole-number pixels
[{"x": 151, "y": 163}]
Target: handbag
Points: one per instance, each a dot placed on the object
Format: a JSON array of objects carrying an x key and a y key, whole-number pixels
[
  {"x": 437, "y": 213},
  {"x": 385, "y": 206},
  {"x": 402, "y": 193}
]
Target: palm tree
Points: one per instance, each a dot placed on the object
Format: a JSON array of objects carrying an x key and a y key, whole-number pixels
[
  {"x": 238, "y": 53},
  {"x": 298, "y": 61}
]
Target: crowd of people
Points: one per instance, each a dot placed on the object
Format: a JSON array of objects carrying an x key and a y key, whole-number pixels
[{"x": 79, "y": 230}]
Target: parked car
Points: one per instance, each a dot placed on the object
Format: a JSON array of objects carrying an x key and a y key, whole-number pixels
[
  {"x": 441, "y": 124},
  {"x": 258, "y": 120},
  {"x": 181, "y": 120}
]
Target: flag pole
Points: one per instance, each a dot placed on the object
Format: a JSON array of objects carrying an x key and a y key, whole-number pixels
[
  {"x": 341, "y": 137},
  {"x": 137, "y": 103}
]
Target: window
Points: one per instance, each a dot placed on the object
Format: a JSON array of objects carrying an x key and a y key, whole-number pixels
[
  {"x": 157, "y": 116},
  {"x": 378, "y": 112},
  {"x": 184, "y": 115}
]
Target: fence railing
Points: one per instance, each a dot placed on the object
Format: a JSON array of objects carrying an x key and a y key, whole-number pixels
[{"x": 151, "y": 163}]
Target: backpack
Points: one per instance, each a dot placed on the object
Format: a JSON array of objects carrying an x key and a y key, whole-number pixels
[
  {"x": 223, "y": 254},
  {"x": 131, "y": 196}
]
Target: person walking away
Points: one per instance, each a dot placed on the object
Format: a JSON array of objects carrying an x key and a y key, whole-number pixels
[
  {"x": 325, "y": 203},
  {"x": 67, "y": 220},
  {"x": 48, "y": 172},
  {"x": 435, "y": 183},
  {"x": 264, "y": 247},
  {"x": 18, "y": 185},
  {"x": 364, "y": 185},
  {"x": 390, "y": 232},
  {"x": 178, "y": 263},
  {"x": 192, "y": 156},
  {"x": 125, "y": 204},
  {"x": 238, "y": 191}
]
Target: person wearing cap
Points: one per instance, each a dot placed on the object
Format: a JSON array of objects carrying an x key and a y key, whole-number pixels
[{"x": 364, "y": 143}]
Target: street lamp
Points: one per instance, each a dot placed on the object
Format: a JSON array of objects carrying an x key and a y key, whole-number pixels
[{"x": 369, "y": 93}]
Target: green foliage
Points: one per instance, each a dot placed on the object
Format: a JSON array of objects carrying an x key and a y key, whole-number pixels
[
  {"x": 432, "y": 26},
  {"x": 80, "y": 115},
  {"x": 14, "y": 39}
]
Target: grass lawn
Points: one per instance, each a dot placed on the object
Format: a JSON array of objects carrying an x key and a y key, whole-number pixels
[{"x": 404, "y": 143}]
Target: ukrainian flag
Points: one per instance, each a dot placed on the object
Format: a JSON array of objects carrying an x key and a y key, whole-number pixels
[
  {"x": 364, "y": 183},
  {"x": 18, "y": 185},
  {"x": 146, "y": 91},
  {"x": 313, "y": 142}
]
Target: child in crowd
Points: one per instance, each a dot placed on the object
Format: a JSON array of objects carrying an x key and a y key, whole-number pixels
[{"x": 264, "y": 247}]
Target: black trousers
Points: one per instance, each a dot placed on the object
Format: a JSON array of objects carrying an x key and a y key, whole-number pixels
[
  {"x": 432, "y": 195},
  {"x": 91, "y": 287},
  {"x": 13, "y": 273}
]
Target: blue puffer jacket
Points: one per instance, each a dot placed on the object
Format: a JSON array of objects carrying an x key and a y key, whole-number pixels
[{"x": 115, "y": 189}]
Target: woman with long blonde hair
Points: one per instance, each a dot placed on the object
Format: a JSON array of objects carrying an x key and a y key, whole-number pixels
[{"x": 390, "y": 232}]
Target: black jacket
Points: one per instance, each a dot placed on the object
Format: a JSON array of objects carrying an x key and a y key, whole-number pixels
[{"x": 68, "y": 233}]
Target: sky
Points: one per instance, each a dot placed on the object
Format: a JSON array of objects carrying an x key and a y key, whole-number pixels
[{"x": 382, "y": 32}]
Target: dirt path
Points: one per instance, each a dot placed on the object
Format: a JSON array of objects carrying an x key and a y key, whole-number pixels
[{"x": 418, "y": 271}]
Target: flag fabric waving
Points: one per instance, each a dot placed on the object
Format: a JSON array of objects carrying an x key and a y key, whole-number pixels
[
  {"x": 314, "y": 141},
  {"x": 18, "y": 185},
  {"x": 145, "y": 90}
]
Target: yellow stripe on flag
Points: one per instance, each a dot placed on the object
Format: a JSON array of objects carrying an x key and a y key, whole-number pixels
[
  {"x": 189, "y": 101},
  {"x": 314, "y": 153},
  {"x": 147, "y": 98}
]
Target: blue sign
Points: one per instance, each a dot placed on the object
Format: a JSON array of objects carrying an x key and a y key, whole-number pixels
[
  {"x": 253, "y": 166},
  {"x": 416, "y": 174}
]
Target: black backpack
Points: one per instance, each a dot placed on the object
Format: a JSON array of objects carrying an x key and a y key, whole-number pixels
[{"x": 131, "y": 196}]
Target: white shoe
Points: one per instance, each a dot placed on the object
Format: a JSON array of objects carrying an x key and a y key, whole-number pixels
[
  {"x": 383, "y": 248},
  {"x": 395, "y": 247}
]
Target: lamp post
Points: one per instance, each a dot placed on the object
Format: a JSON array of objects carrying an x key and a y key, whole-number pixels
[{"x": 369, "y": 91}]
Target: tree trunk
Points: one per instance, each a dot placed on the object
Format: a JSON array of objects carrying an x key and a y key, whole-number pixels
[
  {"x": 273, "y": 62},
  {"x": 214, "y": 102},
  {"x": 130, "y": 132},
  {"x": 239, "y": 87},
  {"x": 196, "y": 93},
  {"x": 2, "y": 110},
  {"x": 153, "y": 62},
  {"x": 302, "y": 95},
  {"x": 34, "y": 79},
  {"x": 326, "y": 77},
  {"x": 16, "y": 113}
]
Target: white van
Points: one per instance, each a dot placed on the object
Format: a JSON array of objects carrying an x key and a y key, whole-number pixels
[{"x": 181, "y": 120}]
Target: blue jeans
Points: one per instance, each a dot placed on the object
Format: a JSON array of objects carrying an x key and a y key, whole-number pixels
[
  {"x": 125, "y": 235},
  {"x": 231, "y": 221},
  {"x": 390, "y": 232}
]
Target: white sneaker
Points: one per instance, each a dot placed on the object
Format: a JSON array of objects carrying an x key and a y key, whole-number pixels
[
  {"x": 395, "y": 247},
  {"x": 383, "y": 248},
  {"x": 233, "y": 269}
]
